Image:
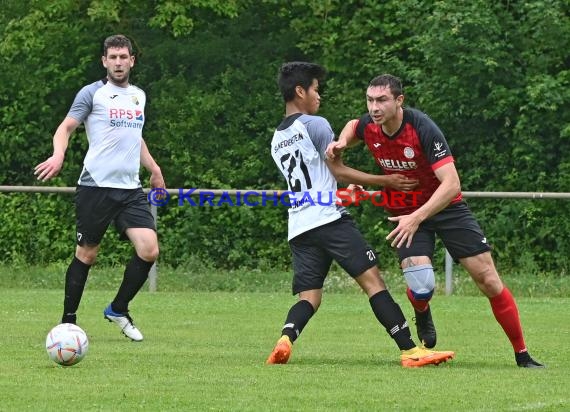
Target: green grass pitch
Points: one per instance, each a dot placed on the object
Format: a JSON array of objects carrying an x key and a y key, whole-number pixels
[{"x": 206, "y": 351}]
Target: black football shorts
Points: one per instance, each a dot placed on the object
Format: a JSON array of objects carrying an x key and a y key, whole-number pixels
[
  {"x": 458, "y": 230},
  {"x": 313, "y": 252},
  {"x": 97, "y": 207}
]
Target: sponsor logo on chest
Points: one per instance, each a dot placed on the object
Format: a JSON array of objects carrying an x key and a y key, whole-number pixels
[
  {"x": 127, "y": 114},
  {"x": 400, "y": 164},
  {"x": 124, "y": 113},
  {"x": 127, "y": 118},
  {"x": 396, "y": 164}
]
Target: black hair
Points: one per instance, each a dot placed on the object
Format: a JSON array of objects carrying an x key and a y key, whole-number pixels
[
  {"x": 295, "y": 74},
  {"x": 393, "y": 82},
  {"x": 117, "y": 41}
]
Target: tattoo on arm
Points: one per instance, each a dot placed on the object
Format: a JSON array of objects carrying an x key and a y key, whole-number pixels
[{"x": 408, "y": 262}]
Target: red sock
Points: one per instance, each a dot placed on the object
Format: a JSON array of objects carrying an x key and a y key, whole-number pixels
[
  {"x": 419, "y": 305},
  {"x": 506, "y": 312}
]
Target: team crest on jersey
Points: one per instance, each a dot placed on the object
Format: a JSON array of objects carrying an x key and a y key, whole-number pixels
[
  {"x": 409, "y": 153},
  {"x": 135, "y": 100}
]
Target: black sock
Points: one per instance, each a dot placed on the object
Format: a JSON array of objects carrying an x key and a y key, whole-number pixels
[
  {"x": 391, "y": 317},
  {"x": 297, "y": 318},
  {"x": 135, "y": 275},
  {"x": 75, "y": 279}
]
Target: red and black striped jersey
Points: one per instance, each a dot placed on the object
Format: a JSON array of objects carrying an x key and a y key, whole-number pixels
[{"x": 415, "y": 150}]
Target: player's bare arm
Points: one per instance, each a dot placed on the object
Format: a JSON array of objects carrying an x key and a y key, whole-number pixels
[
  {"x": 408, "y": 224},
  {"x": 345, "y": 174},
  {"x": 156, "y": 179},
  {"x": 347, "y": 138},
  {"x": 394, "y": 181},
  {"x": 52, "y": 166}
]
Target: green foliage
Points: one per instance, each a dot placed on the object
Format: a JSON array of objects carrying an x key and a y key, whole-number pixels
[
  {"x": 176, "y": 15},
  {"x": 36, "y": 235},
  {"x": 26, "y": 100},
  {"x": 522, "y": 235},
  {"x": 229, "y": 237},
  {"x": 40, "y": 228},
  {"x": 495, "y": 77}
]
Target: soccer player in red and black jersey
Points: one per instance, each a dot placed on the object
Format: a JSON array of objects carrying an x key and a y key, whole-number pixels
[
  {"x": 406, "y": 141},
  {"x": 323, "y": 233}
]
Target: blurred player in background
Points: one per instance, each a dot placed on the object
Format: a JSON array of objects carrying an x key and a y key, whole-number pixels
[
  {"x": 109, "y": 189},
  {"x": 406, "y": 141}
]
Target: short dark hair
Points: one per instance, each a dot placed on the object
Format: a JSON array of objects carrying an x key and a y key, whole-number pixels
[
  {"x": 393, "y": 82},
  {"x": 295, "y": 74},
  {"x": 117, "y": 41}
]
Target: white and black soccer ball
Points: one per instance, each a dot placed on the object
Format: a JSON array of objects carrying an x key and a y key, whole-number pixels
[{"x": 67, "y": 344}]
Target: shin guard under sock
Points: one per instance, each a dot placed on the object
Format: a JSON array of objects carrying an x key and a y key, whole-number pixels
[
  {"x": 297, "y": 318},
  {"x": 506, "y": 312},
  {"x": 75, "y": 279},
  {"x": 390, "y": 315},
  {"x": 135, "y": 275}
]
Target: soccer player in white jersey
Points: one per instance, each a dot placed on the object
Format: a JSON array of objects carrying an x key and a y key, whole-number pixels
[
  {"x": 109, "y": 189},
  {"x": 321, "y": 231}
]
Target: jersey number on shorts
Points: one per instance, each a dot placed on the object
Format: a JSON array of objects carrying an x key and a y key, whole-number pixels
[{"x": 295, "y": 162}]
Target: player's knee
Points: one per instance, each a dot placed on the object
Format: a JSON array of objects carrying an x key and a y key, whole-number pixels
[
  {"x": 86, "y": 254},
  {"x": 488, "y": 281},
  {"x": 313, "y": 296},
  {"x": 421, "y": 281},
  {"x": 150, "y": 254}
]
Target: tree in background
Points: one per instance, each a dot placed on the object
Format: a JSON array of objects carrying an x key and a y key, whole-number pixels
[{"x": 494, "y": 75}]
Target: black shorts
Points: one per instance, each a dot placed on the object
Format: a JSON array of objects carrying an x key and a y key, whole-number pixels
[
  {"x": 314, "y": 251},
  {"x": 458, "y": 230},
  {"x": 97, "y": 207}
]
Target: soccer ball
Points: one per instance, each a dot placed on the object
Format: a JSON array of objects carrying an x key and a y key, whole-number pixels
[{"x": 66, "y": 344}]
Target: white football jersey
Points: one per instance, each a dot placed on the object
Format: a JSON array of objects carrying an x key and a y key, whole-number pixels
[
  {"x": 114, "y": 119},
  {"x": 298, "y": 149}
]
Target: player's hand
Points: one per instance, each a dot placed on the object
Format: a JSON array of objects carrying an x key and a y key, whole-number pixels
[
  {"x": 353, "y": 190},
  {"x": 352, "y": 187},
  {"x": 404, "y": 232},
  {"x": 156, "y": 180},
  {"x": 401, "y": 182},
  {"x": 334, "y": 149},
  {"x": 48, "y": 169}
]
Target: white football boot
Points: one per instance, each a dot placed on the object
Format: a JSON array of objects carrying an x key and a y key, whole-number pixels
[{"x": 124, "y": 322}]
